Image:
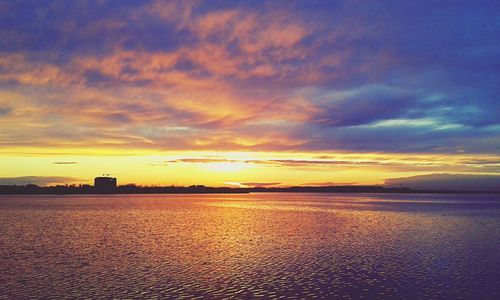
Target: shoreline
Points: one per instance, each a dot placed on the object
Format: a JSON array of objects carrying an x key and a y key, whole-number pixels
[{"x": 416, "y": 192}]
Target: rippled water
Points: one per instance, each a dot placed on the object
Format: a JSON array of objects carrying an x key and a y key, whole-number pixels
[{"x": 250, "y": 246}]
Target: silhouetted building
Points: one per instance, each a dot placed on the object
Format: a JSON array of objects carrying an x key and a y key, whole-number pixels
[{"x": 105, "y": 184}]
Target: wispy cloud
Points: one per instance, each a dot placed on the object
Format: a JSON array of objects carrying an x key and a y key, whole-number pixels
[
  {"x": 253, "y": 184},
  {"x": 260, "y": 184},
  {"x": 5, "y": 111},
  {"x": 404, "y": 163},
  {"x": 329, "y": 183},
  {"x": 40, "y": 180}
]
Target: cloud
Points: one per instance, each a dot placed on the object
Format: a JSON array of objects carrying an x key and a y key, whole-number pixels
[
  {"x": 119, "y": 118},
  {"x": 409, "y": 162},
  {"x": 364, "y": 105},
  {"x": 252, "y": 184},
  {"x": 454, "y": 182},
  {"x": 329, "y": 183},
  {"x": 39, "y": 180},
  {"x": 202, "y": 160},
  {"x": 194, "y": 75},
  {"x": 260, "y": 184},
  {"x": 275, "y": 162},
  {"x": 4, "y": 111}
]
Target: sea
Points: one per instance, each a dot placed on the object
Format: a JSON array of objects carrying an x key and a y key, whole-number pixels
[{"x": 250, "y": 246}]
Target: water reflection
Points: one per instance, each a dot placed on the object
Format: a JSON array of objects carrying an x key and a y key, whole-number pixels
[{"x": 257, "y": 245}]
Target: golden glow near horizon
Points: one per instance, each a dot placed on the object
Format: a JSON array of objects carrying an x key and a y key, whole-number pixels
[{"x": 233, "y": 168}]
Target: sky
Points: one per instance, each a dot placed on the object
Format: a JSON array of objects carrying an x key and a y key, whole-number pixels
[{"x": 250, "y": 93}]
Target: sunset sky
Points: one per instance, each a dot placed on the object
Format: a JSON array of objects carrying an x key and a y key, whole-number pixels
[{"x": 249, "y": 93}]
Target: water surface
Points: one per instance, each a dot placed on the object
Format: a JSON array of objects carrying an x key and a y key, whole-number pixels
[{"x": 250, "y": 246}]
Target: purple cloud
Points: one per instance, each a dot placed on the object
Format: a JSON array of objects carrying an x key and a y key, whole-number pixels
[{"x": 453, "y": 182}]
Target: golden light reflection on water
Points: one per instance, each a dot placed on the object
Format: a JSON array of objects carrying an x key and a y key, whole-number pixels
[{"x": 247, "y": 246}]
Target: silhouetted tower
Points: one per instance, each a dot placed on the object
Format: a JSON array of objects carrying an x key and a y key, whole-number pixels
[{"x": 105, "y": 184}]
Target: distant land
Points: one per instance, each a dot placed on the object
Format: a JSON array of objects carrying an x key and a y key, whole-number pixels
[{"x": 32, "y": 189}]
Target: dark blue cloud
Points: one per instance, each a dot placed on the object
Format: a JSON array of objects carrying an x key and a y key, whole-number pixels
[
  {"x": 95, "y": 77},
  {"x": 364, "y": 106},
  {"x": 59, "y": 30},
  {"x": 118, "y": 118},
  {"x": 454, "y": 182},
  {"x": 416, "y": 136},
  {"x": 4, "y": 111}
]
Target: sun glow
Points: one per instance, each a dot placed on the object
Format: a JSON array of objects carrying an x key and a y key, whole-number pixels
[
  {"x": 226, "y": 166},
  {"x": 219, "y": 168}
]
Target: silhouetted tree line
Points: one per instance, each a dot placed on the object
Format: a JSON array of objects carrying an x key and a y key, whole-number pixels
[{"x": 32, "y": 189}]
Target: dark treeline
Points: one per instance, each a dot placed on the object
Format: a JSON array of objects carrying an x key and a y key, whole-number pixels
[
  {"x": 125, "y": 189},
  {"x": 199, "y": 189}
]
